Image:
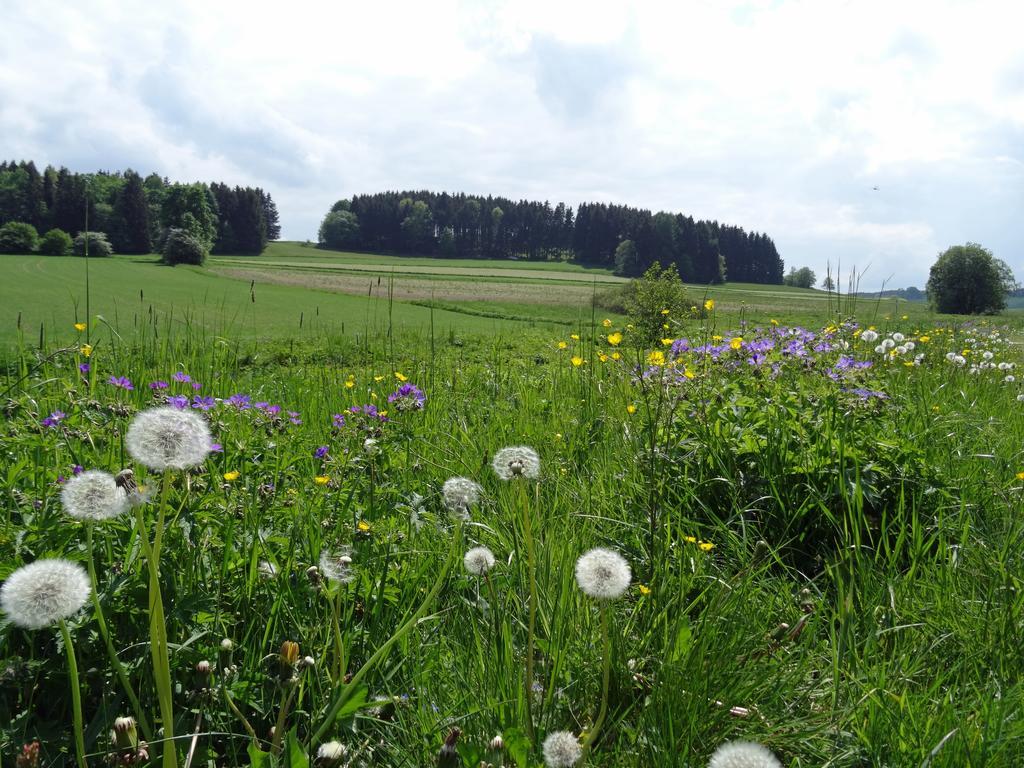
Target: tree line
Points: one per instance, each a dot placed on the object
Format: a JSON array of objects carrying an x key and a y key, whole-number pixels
[
  {"x": 136, "y": 214},
  {"x": 626, "y": 239}
]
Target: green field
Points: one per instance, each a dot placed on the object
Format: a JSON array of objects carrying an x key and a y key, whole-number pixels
[{"x": 297, "y": 292}]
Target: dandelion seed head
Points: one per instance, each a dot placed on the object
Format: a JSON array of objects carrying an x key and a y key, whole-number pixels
[
  {"x": 46, "y": 591},
  {"x": 743, "y": 754},
  {"x": 869, "y": 336},
  {"x": 336, "y": 566},
  {"x": 516, "y": 461},
  {"x": 478, "y": 560},
  {"x": 331, "y": 753},
  {"x": 168, "y": 438},
  {"x": 93, "y": 495},
  {"x": 561, "y": 750},
  {"x": 460, "y": 493},
  {"x": 603, "y": 574}
]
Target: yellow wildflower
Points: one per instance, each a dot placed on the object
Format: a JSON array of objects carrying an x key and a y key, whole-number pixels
[
  {"x": 667, "y": 342},
  {"x": 709, "y": 304},
  {"x": 688, "y": 373},
  {"x": 690, "y": 539},
  {"x": 574, "y": 336},
  {"x": 716, "y": 337},
  {"x": 657, "y": 357},
  {"x": 349, "y": 383},
  {"x": 615, "y": 339},
  {"x": 643, "y": 590},
  {"x": 616, "y": 356},
  {"x": 773, "y": 321},
  {"x": 562, "y": 345},
  {"x": 924, "y": 339},
  {"x": 706, "y": 546},
  {"x": 630, "y": 409},
  {"x": 401, "y": 377},
  {"x": 321, "y": 479},
  {"x": 378, "y": 378},
  {"x": 86, "y": 350},
  {"x": 1020, "y": 475},
  {"x": 80, "y": 327},
  {"x": 232, "y": 475},
  {"x": 602, "y": 357},
  {"x": 577, "y": 361},
  {"x": 606, "y": 323},
  {"x": 363, "y": 526},
  {"x": 737, "y": 342},
  {"x": 664, "y": 311}
]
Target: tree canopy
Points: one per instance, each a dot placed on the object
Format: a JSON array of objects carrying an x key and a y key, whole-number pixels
[{"x": 969, "y": 280}]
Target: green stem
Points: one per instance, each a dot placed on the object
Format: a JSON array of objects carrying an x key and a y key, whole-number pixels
[
  {"x": 76, "y": 695},
  {"x": 282, "y": 717},
  {"x": 158, "y": 626},
  {"x": 606, "y": 646},
  {"x": 531, "y": 564},
  {"x": 122, "y": 675},
  {"x": 346, "y": 693}
]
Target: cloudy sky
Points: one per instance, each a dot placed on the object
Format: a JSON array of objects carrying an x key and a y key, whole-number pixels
[{"x": 780, "y": 117}]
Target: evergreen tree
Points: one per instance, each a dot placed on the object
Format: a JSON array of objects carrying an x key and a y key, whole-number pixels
[
  {"x": 132, "y": 211},
  {"x": 271, "y": 219}
]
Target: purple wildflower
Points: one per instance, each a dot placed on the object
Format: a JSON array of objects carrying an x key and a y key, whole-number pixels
[
  {"x": 293, "y": 417},
  {"x": 407, "y": 397},
  {"x": 196, "y": 386},
  {"x": 84, "y": 368},
  {"x": 77, "y": 469},
  {"x": 240, "y": 401},
  {"x": 181, "y": 376},
  {"x": 866, "y": 394},
  {"x": 178, "y": 401},
  {"x": 216, "y": 448},
  {"x": 154, "y": 385},
  {"x": 321, "y": 452},
  {"x": 54, "y": 419},
  {"x": 122, "y": 382},
  {"x": 679, "y": 346},
  {"x": 338, "y": 420},
  {"x": 203, "y": 403}
]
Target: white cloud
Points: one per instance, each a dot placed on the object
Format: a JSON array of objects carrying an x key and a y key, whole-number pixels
[{"x": 777, "y": 116}]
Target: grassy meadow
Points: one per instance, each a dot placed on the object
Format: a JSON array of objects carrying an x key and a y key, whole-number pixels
[{"x": 823, "y": 529}]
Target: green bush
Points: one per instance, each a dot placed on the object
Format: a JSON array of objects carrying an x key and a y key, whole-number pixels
[
  {"x": 654, "y": 300},
  {"x": 18, "y": 237},
  {"x": 180, "y": 247},
  {"x": 56, "y": 242},
  {"x": 98, "y": 244}
]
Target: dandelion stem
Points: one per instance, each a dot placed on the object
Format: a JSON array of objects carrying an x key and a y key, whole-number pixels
[
  {"x": 76, "y": 695},
  {"x": 282, "y": 717},
  {"x": 531, "y": 564},
  {"x": 346, "y": 693},
  {"x": 606, "y": 647},
  {"x": 122, "y": 675}
]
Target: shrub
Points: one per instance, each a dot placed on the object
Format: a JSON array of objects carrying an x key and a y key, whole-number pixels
[
  {"x": 98, "y": 244},
  {"x": 18, "y": 237},
  {"x": 180, "y": 247},
  {"x": 56, "y": 242},
  {"x": 968, "y": 280},
  {"x": 649, "y": 296}
]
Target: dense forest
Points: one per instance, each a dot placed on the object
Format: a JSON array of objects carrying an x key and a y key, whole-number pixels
[
  {"x": 135, "y": 213},
  {"x": 626, "y": 239}
]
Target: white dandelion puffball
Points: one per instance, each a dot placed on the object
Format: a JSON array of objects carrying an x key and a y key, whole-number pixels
[
  {"x": 561, "y": 750},
  {"x": 370, "y": 447},
  {"x": 516, "y": 461},
  {"x": 460, "y": 493},
  {"x": 879, "y": 350},
  {"x": 898, "y": 338},
  {"x": 93, "y": 495},
  {"x": 331, "y": 752},
  {"x": 603, "y": 574},
  {"x": 869, "y": 336},
  {"x": 478, "y": 560},
  {"x": 743, "y": 754},
  {"x": 167, "y": 438},
  {"x": 336, "y": 566},
  {"x": 44, "y": 592},
  {"x": 888, "y": 344}
]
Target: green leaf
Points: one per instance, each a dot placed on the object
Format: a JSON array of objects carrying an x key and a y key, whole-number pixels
[
  {"x": 258, "y": 758},
  {"x": 294, "y": 753},
  {"x": 518, "y": 746}
]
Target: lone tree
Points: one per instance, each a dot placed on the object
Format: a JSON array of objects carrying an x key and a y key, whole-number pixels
[{"x": 969, "y": 280}]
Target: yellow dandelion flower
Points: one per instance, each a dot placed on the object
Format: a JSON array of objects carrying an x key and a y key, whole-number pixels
[
  {"x": 1020, "y": 475},
  {"x": 709, "y": 304},
  {"x": 363, "y": 526},
  {"x": 562, "y": 345},
  {"x": 321, "y": 479},
  {"x": 773, "y": 321},
  {"x": 657, "y": 357},
  {"x": 716, "y": 337},
  {"x": 80, "y": 327},
  {"x": 643, "y": 590},
  {"x": 688, "y": 373},
  {"x": 615, "y": 339},
  {"x": 574, "y": 336},
  {"x": 232, "y": 475},
  {"x": 602, "y": 357},
  {"x": 908, "y": 365},
  {"x": 924, "y": 339},
  {"x": 606, "y": 323},
  {"x": 616, "y": 356},
  {"x": 349, "y": 383},
  {"x": 630, "y": 409},
  {"x": 690, "y": 539},
  {"x": 667, "y": 342},
  {"x": 86, "y": 350},
  {"x": 664, "y": 312},
  {"x": 736, "y": 342},
  {"x": 401, "y": 377},
  {"x": 706, "y": 546},
  {"x": 577, "y": 361},
  {"x": 378, "y": 378}
]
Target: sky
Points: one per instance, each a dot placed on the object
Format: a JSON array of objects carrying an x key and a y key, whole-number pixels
[{"x": 861, "y": 136}]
